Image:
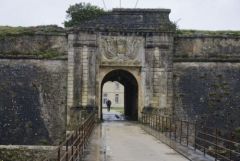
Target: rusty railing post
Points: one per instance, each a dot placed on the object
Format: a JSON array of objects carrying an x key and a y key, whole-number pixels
[
  {"x": 216, "y": 144},
  {"x": 175, "y": 130},
  {"x": 162, "y": 122},
  {"x": 66, "y": 151},
  {"x": 166, "y": 125},
  {"x": 156, "y": 118},
  {"x": 187, "y": 132},
  {"x": 204, "y": 148},
  {"x": 72, "y": 148},
  {"x": 180, "y": 132},
  {"x": 59, "y": 154},
  {"x": 149, "y": 120},
  {"x": 230, "y": 145},
  {"x": 195, "y": 136},
  {"x": 170, "y": 128},
  {"x": 78, "y": 147}
]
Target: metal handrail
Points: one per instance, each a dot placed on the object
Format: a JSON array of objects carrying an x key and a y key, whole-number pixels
[
  {"x": 189, "y": 134},
  {"x": 72, "y": 148}
]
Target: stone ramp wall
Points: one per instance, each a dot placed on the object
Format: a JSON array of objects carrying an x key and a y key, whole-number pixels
[
  {"x": 207, "y": 80},
  {"x": 32, "y": 101}
]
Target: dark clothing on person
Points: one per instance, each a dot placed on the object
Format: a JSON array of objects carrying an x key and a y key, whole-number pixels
[{"x": 108, "y": 105}]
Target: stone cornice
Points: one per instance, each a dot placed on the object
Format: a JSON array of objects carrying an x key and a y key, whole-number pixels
[{"x": 129, "y": 20}]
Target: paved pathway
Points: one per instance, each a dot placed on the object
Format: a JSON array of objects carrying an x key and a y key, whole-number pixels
[{"x": 126, "y": 141}]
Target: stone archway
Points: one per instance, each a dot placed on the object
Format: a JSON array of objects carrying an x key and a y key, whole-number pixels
[
  {"x": 130, "y": 93},
  {"x": 139, "y": 42}
]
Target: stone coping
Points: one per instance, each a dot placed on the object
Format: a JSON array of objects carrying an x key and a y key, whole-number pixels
[
  {"x": 141, "y": 10},
  {"x": 30, "y": 147},
  {"x": 195, "y": 36}
]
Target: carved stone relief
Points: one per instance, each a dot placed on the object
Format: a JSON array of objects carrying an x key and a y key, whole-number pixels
[{"x": 119, "y": 49}]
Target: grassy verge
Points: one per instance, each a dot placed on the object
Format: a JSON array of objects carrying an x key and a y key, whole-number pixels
[
  {"x": 208, "y": 33},
  {"x": 118, "y": 109},
  {"x": 48, "y": 54},
  {"x": 16, "y": 31}
]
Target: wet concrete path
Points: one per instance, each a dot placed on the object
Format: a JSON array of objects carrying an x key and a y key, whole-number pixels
[{"x": 126, "y": 141}]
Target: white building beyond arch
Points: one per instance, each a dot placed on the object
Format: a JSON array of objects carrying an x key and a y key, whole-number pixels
[{"x": 113, "y": 91}]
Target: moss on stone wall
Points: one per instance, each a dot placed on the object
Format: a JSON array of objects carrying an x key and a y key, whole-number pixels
[
  {"x": 207, "y": 33},
  {"x": 208, "y": 93},
  {"x": 32, "y": 102},
  {"x": 45, "y": 54},
  {"x": 21, "y": 154},
  {"x": 16, "y": 31},
  {"x": 33, "y": 42}
]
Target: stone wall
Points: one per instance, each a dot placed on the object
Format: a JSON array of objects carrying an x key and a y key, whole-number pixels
[
  {"x": 158, "y": 66},
  {"x": 26, "y": 153},
  {"x": 33, "y": 89},
  {"x": 206, "y": 80},
  {"x": 32, "y": 101},
  {"x": 206, "y": 48},
  {"x": 36, "y": 42}
]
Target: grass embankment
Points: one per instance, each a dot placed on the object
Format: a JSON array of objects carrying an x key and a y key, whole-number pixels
[
  {"x": 16, "y": 31},
  {"x": 118, "y": 109},
  {"x": 208, "y": 33},
  {"x": 42, "y": 52},
  {"x": 46, "y": 54}
]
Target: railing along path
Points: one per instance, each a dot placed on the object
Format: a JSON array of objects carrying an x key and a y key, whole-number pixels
[
  {"x": 72, "y": 148},
  {"x": 223, "y": 147}
]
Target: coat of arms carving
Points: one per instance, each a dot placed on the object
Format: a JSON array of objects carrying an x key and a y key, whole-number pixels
[{"x": 120, "y": 48}]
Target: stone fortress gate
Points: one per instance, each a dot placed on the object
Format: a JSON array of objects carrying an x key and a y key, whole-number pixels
[
  {"x": 131, "y": 46},
  {"x": 49, "y": 74}
]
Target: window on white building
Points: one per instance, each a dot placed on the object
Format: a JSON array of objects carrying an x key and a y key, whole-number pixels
[
  {"x": 116, "y": 98},
  {"x": 105, "y": 98},
  {"x": 116, "y": 85}
]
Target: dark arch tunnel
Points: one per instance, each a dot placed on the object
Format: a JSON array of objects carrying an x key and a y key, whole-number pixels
[{"x": 130, "y": 91}]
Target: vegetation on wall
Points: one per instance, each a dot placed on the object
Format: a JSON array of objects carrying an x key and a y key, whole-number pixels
[
  {"x": 12, "y": 36},
  {"x": 22, "y": 154},
  {"x": 16, "y": 31},
  {"x": 207, "y": 33},
  {"x": 81, "y": 12},
  {"x": 46, "y": 54}
]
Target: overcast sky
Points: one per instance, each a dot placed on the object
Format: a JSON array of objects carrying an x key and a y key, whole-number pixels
[{"x": 190, "y": 14}]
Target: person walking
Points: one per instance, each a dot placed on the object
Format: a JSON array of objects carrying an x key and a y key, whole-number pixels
[{"x": 108, "y": 105}]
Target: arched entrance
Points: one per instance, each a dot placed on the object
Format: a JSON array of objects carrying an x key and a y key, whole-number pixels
[{"x": 130, "y": 91}]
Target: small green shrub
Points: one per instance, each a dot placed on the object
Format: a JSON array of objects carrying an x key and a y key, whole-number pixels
[{"x": 82, "y": 12}]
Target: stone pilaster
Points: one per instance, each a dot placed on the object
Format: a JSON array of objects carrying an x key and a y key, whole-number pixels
[
  {"x": 70, "y": 83},
  {"x": 84, "y": 62},
  {"x": 159, "y": 57}
]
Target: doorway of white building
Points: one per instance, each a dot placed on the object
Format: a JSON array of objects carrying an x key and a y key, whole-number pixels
[{"x": 113, "y": 91}]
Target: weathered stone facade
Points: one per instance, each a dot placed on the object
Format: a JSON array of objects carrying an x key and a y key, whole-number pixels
[
  {"x": 137, "y": 41},
  {"x": 35, "y": 46},
  {"x": 46, "y": 79},
  {"x": 32, "y": 101},
  {"x": 206, "y": 48},
  {"x": 206, "y": 79}
]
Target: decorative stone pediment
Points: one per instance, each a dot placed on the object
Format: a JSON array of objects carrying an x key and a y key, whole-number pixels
[{"x": 121, "y": 49}]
